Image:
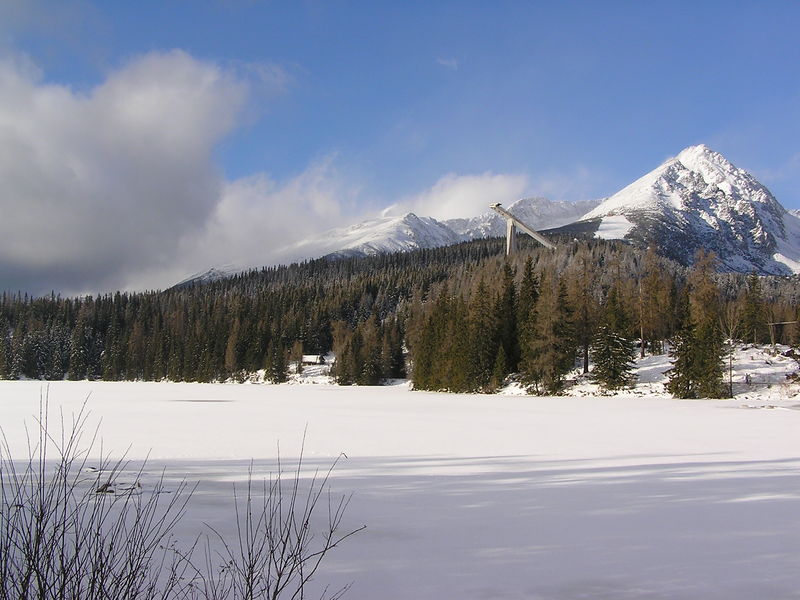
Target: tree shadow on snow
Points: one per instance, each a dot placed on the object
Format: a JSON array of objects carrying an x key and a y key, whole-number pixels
[{"x": 523, "y": 527}]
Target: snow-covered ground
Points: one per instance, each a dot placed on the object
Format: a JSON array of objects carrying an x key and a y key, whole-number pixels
[
  {"x": 613, "y": 227},
  {"x": 635, "y": 495}
]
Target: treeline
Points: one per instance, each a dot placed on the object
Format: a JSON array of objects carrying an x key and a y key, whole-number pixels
[
  {"x": 604, "y": 304},
  {"x": 461, "y": 318},
  {"x": 215, "y": 331}
]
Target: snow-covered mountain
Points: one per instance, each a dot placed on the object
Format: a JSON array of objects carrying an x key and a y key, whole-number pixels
[
  {"x": 700, "y": 200},
  {"x": 695, "y": 200},
  {"x": 539, "y": 213},
  {"x": 375, "y": 236},
  {"x": 410, "y": 232},
  {"x": 210, "y": 275}
]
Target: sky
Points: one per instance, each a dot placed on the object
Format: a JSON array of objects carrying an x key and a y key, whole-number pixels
[{"x": 141, "y": 142}]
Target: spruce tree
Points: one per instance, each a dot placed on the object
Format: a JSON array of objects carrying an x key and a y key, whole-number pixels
[
  {"x": 5, "y": 349},
  {"x": 506, "y": 309},
  {"x": 277, "y": 365},
  {"x": 683, "y": 374},
  {"x": 754, "y": 319},
  {"x": 698, "y": 349},
  {"x": 392, "y": 360},
  {"x": 345, "y": 366},
  {"x": 80, "y": 347},
  {"x": 297, "y": 356},
  {"x": 612, "y": 355},
  {"x": 581, "y": 286},
  {"x": 550, "y": 352},
  {"x": 429, "y": 360},
  {"x": 366, "y": 342},
  {"x": 457, "y": 375},
  {"x": 482, "y": 331},
  {"x": 500, "y": 369},
  {"x": 612, "y": 349}
]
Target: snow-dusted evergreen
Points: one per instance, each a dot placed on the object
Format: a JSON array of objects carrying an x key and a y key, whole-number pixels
[{"x": 700, "y": 200}]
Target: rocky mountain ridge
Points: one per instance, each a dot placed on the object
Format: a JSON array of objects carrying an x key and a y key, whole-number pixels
[
  {"x": 695, "y": 200},
  {"x": 700, "y": 200}
]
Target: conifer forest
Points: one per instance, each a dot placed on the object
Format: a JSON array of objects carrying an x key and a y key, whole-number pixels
[{"x": 462, "y": 318}]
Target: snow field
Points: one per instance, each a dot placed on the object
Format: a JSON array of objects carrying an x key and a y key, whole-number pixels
[{"x": 473, "y": 496}]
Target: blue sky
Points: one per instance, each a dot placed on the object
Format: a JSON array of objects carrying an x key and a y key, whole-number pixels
[{"x": 339, "y": 109}]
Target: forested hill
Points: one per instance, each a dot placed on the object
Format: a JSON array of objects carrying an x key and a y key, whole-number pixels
[{"x": 379, "y": 314}]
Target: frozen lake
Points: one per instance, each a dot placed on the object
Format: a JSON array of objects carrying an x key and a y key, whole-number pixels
[{"x": 472, "y": 496}]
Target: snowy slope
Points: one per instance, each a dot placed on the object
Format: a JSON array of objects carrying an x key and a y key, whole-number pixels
[
  {"x": 695, "y": 200},
  {"x": 375, "y": 236},
  {"x": 626, "y": 497},
  {"x": 539, "y": 213},
  {"x": 210, "y": 275},
  {"x": 410, "y": 232},
  {"x": 700, "y": 200}
]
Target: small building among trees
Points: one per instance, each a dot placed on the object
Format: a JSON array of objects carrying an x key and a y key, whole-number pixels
[{"x": 313, "y": 359}]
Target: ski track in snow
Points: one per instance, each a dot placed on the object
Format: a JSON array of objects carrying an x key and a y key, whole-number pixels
[{"x": 635, "y": 495}]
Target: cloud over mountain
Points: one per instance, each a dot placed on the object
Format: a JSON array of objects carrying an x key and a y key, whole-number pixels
[
  {"x": 99, "y": 185},
  {"x": 456, "y": 196}
]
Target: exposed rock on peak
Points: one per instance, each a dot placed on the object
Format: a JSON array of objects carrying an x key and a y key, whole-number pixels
[{"x": 700, "y": 200}]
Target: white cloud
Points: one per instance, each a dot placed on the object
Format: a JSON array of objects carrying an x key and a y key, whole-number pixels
[
  {"x": 448, "y": 63},
  {"x": 117, "y": 187},
  {"x": 463, "y": 195},
  {"x": 99, "y": 185},
  {"x": 257, "y": 218}
]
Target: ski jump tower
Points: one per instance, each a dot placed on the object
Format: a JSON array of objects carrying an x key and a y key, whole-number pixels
[{"x": 512, "y": 223}]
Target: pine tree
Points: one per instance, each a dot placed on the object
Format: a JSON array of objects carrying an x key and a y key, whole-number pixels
[
  {"x": 754, "y": 319},
  {"x": 683, "y": 374},
  {"x": 368, "y": 352},
  {"x": 550, "y": 354},
  {"x": 5, "y": 349},
  {"x": 698, "y": 349},
  {"x": 345, "y": 367},
  {"x": 455, "y": 372},
  {"x": 231, "y": 347},
  {"x": 581, "y": 286},
  {"x": 392, "y": 360},
  {"x": 500, "y": 369},
  {"x": 297, "y": 356},
  {"x": 277, "y": 366},
  {"x": 80, "y": 347},
  {"x": 612, "y": 355},
  {"x": 482, "y": 331},
  {"x": 612, "y": 349},
  {"x": 710, "y": 365},
  {"x": 656, "y": 322},
  {"x": 428, "y": 358},
  {"x": 506, "y": 309}
]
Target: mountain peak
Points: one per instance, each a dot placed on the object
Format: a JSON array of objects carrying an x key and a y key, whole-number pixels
[
  {"x": 692, "y": 153},
  {"x": 700, "y": 199}
]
